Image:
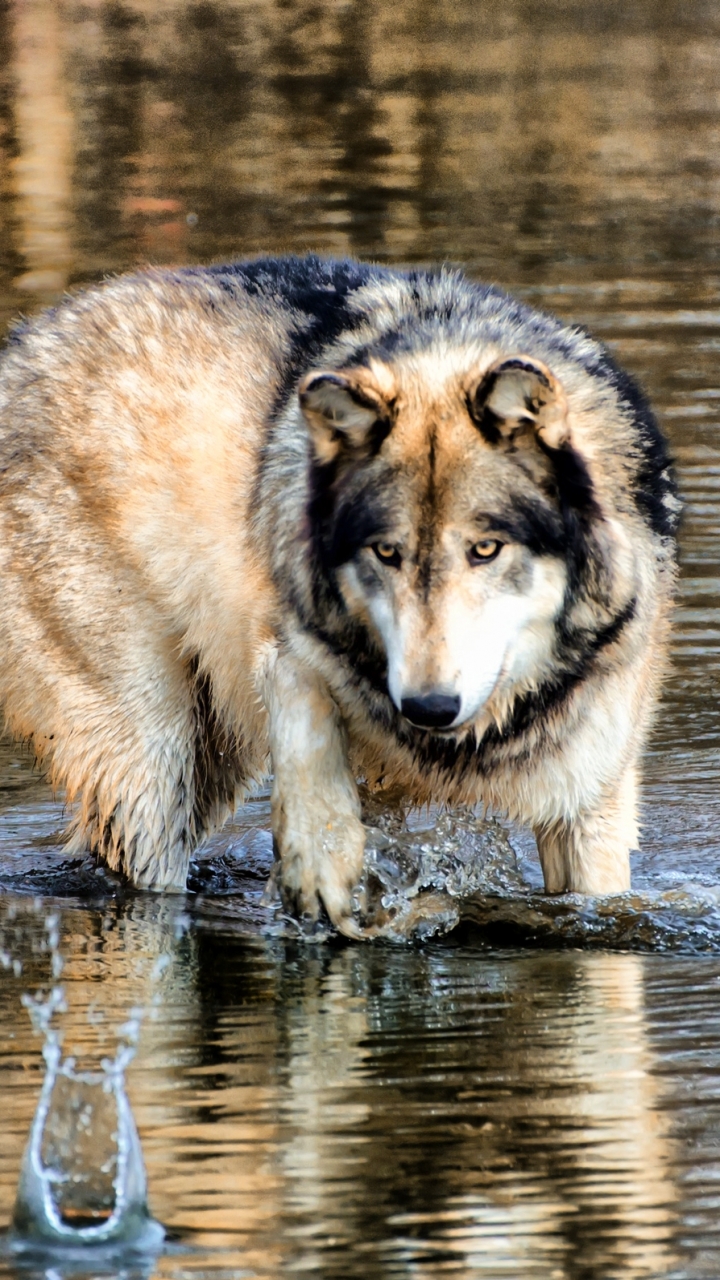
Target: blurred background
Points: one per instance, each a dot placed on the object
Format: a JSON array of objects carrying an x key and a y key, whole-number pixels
[{"x": 546, "y": 141}]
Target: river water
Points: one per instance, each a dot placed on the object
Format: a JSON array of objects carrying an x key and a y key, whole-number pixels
[{"x": 537, "y": 1092}]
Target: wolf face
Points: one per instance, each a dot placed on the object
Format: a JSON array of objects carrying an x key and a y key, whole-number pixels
[{"x": 454, "y": 506}]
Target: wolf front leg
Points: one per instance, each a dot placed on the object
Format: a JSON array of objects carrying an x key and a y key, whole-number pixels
[
  {"x": 318, "y": 835},
  {"x": 591, "y": 852}
]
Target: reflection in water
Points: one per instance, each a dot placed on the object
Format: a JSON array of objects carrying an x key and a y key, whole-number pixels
[
  {"x": 524, "y": 139},
  {"x": 41, "y": 170},
  {"x": 379, "y": 1111},
  {"x": 512, "y": 1137},
  {"x": 446, "y": 1110}
]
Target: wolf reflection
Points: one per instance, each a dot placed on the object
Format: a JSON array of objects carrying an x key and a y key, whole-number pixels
[
  {"x": 501, "y": 1128},
  {"x": 388, "y": 1102}
]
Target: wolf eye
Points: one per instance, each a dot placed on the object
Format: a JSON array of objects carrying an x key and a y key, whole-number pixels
[
  {"x": 485, "y": 550},
  {"x": 387, "y": 554}
]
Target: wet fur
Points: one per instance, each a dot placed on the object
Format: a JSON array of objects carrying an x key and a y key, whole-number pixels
[{"x": 186, "y": 593}]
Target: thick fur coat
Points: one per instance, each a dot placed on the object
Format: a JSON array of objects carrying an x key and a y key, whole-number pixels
[{"x": 336, "y": 522}]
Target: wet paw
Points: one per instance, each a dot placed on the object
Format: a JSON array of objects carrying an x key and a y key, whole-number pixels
[{"x": 319, "y": 874}]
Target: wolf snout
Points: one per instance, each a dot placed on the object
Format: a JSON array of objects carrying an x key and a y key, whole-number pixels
[{"x": 431, "y": 710}]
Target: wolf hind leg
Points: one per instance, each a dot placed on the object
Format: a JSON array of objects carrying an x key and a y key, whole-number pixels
[
  {"x": 138, "y": 819},
  {"x": 130, "y": 773},
  {"x": 145, "y": 764},
  {"x": 318, "y": 835},
  {"x": 591, "y": 853}
]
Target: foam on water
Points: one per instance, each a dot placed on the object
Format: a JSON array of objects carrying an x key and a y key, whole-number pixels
[
  {"x": 431, "y": 873},
  {"x": 463, "y": 871}
]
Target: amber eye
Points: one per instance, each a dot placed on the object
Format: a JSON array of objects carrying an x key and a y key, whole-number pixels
[
  {"x": 387, "y": 554},
  {"x": 485, "y": 550}
]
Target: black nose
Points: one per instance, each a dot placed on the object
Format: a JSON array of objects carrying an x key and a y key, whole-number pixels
[{"x": 431, "y": 710}]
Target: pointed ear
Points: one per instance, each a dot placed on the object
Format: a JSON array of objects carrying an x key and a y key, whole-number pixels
[
  {"x": 345, "y": 413},
  {"x": 519, "y": 402},
  {"x": 518, "y": 396}
]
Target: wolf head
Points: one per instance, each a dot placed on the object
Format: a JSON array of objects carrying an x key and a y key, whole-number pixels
[{"x": 456, "y": 514}]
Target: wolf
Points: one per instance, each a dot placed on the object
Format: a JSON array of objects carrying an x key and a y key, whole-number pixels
[{"x": 341, "y": 523}]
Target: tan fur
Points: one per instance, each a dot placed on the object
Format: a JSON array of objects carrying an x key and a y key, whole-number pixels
[
  {"x": 150, "y": 467},
  {"x": 148, "y": 528}
]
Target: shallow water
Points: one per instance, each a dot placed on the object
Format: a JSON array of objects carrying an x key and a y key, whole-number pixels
[{"x": 536, "y": 1092}]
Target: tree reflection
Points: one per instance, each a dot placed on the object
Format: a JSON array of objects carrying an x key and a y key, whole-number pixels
[
  {"x": 516, "y": 138},
  {"x": 41, "y": 169}
]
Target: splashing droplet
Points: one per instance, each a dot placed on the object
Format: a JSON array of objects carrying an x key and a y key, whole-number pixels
[{"x": 82, "y": 1180}]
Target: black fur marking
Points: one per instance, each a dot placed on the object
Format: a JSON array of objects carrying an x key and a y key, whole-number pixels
[
  {"x": 311, "y": 284},
  {"x": 365, "y": 401},
  {"x": 317, "y": 289},
  {"x": 357, "y": 523},
  {"x": 218, "y": 758},
  {"x": 481, "y": 414},
  {"x": 426, "y": 522},
  {"x": 374, "y": 436},
  {"x": 488, "y": 424},
  {"x": 656, "y": 489},
  {"x": 322, "y": 498},
  {"x": 527, "y": 367},
  {"x": 364, "y": 663},
  {"x": 580, "y": 650},
  {"x": 531, "y": 522},
  {"x": 574, "y": 485},
  {"x": 346, "y": 516}
]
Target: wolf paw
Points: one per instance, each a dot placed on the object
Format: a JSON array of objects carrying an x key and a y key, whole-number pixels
[{"x": 320, "y": 872}]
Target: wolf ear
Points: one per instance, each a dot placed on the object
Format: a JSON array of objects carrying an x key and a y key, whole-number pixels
[
  {"x": 344, "y": 413},
  {"x": 519, "y": 400},
  {"x": 519, "y": 395}
]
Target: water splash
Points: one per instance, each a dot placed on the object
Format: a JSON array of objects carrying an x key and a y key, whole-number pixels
[
  {"x": 82, "y": 1181},
  {"x": 83, "y": 1176},
  {"x": 418, "y": 875}
]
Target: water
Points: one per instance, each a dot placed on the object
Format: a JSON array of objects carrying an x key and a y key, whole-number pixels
[
  {"x": 82, "y": 1189},
  {"x": 531, "y": 1088},
  {"x": 82, "y": 1180}
]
